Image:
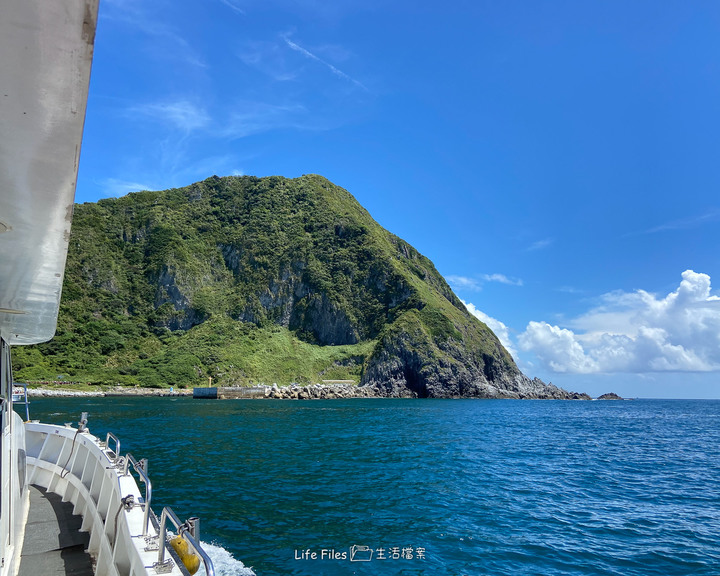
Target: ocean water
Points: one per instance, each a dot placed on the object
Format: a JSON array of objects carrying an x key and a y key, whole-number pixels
[{"x": 431, "y": 487}]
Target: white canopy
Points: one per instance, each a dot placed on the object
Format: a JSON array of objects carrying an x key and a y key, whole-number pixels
[{"x": 46, "y": 50}]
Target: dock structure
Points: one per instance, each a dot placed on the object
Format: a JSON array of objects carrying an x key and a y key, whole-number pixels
[
  {"x": 228, "y": 392},
  {"x": 206, "y": 392}
]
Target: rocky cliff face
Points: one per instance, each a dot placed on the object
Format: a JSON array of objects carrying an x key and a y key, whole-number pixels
[
  {"x": 254, "y": 280},
  {"x": 407, "y": 363}
]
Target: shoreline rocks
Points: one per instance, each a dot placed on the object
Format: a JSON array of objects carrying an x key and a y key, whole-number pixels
[
  {"x": 318, "y": 392},
  {"x": 530, "y": 390}
]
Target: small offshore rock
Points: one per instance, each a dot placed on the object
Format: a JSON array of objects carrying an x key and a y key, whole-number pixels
[{"x": 610, "y": 396}]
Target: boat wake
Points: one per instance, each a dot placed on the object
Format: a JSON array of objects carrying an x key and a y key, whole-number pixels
[{"x": 224, "y": 563}]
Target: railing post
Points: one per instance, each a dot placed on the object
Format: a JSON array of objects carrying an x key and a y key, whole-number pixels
[
  {"x": 186, "y": 531},
  {"x": 117, "y": 445},
  {"x": 162, "y": 535},
  {"x": 27, "y": 403},
  {"x": 194, "y": 527},
  {"x": 140, "y": 468},
  {"x": 190, "y": 530}
]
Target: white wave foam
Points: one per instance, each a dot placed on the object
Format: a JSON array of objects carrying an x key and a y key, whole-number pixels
[{"x": 224, "y": 563}]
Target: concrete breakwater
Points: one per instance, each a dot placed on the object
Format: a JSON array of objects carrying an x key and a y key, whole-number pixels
[
  {"x": 319, "y": 391},
  {"x": 115, "y": 391}
]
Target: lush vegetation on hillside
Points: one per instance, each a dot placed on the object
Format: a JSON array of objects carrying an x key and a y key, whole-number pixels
[{"x": 246, "y": 280}]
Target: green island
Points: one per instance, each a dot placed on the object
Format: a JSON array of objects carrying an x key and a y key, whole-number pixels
[{"x": 249, "y": 281}]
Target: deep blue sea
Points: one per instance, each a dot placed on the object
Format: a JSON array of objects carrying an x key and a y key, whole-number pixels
[{"x": 431, "y": 487}]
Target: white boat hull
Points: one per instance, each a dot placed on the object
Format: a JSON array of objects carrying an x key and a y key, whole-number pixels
[
  {"x": 82, "y": 471},
  {"x": 15, "y": 498}
]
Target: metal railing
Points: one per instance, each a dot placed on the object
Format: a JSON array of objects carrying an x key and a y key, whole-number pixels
[
  {"x": 115, "y": 452},
  {"x": 25, "y": 398},
  {"x": 141, "y": 468},
  {"x": 190, "y": 530}
]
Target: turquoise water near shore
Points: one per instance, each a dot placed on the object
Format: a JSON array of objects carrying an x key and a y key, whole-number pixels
[{"x": 431, "y": 487}]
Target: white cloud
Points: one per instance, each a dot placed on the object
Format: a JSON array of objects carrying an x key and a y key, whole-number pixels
[
  {"x": 500, "y": 329},
  {"x": 115, "y": 187},
  {"x": 180, "y": 114},
  {"x": 570, "y": 290},
  {"x": 246, "y": 119},
  {"x": 172, "y": 172},
  {"x": 463, "y": 282},
  {"x": 539, "y": 245},
  {"x": 502, "y": 279},
  {"x": 712, "y": 215},
  {"x": 148, "y": 18},
  {"x": 269, "y": 58},
  {"x": 192, "y": 170},
  {"x": 256, "y": 117},
  {"x": 556, "y": 347},
  {"x": 233, "y": 5},
  {"x": 332, "y": 68},
  {"x": 636, "y": 332},
  {"x": 476, "y": 284}
]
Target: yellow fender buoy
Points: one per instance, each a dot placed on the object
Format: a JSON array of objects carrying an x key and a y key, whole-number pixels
[{"x": 189, "y": 559}]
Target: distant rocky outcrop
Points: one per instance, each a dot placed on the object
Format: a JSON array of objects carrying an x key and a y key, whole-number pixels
[
  {"x": 610, "y": 396},
  {"x": 410, "y": 363},
  {"x": 242, "y": 280}
]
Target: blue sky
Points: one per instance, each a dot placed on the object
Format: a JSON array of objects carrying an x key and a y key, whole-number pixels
[{"x": 558, "y": 161}]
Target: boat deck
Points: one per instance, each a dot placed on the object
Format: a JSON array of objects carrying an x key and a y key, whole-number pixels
[{"x": 53, "y": 543}]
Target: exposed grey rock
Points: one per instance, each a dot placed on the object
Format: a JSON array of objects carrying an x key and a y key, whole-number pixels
[
  {"x": 317, "y": 392},
  {"x": 520, "y": 388},
  {"x": 169, "y": 291},
  {"x": 325, "y": 320},
  {"x": 406, "y": 367}
]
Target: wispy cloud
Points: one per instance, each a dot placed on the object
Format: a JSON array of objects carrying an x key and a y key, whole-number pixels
[
  {"x": 713, "y": 215},
  {"x": 204, "y": 167},
  {"x": 173, "y": 167},
  {"x": 247, "y": 118},
  {"x": 333, "y": 69},
  {"x": 136, "y": 15},
  {"x": 181, "y": 114},
  {"x": 257, "y": 117},
  {"x": 463, "y": 282},
  {"x": 269, "y": 58},
  {"x": 570, "y": 290},
  {"x": 540, "y": 244},
  {"x": 476, "y": 283},
  {"x": 233, "y": 5},
  {"x": 169, "y": 155},
  {"x": 502, "y": 279},
  {"x": 115, "y": 187}
]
